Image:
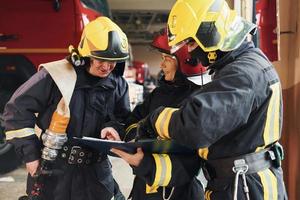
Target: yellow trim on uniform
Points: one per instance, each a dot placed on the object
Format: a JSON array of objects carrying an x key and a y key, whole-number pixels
[
  {"x": 20, "y": 133},
  {"x": 203, "y": 153},
  {"x": 208, "y": 194},
  {"x": 163, "y": 121},
  {"x": 129, "y": 128},
  {"x": 150, "y": 190},
  {"x": 271, "y": 132},
  {"x": 269, "y": 184},
  {"x": 277, "y": 112},
  {"x": 33, "y": 50},
  {"x": 163, "y": 170}
]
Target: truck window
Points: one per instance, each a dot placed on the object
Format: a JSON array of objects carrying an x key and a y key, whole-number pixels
[{"x": 100, "y": 6}]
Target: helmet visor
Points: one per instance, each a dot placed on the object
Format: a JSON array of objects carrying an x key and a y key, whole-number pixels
[{"x": 239, "y": 31}]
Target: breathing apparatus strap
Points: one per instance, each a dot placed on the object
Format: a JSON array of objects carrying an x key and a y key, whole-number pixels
[{"x": 64, "y": 76}]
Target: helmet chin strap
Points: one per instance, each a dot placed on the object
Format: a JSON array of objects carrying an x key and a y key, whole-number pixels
[
  {"x": 201, "y": 56},
  {"x": 206, "y": 58}
]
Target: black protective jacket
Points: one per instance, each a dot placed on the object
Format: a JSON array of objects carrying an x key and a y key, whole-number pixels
[
  {"x": 239, "y": 112},
  {"x": 96, "y": 103},
  {"x": 180, "y": 173}
]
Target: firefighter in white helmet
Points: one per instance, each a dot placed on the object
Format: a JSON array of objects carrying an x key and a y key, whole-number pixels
[
  {"x": 99, "y": 99},
  {"x": 235, "y": 120}
]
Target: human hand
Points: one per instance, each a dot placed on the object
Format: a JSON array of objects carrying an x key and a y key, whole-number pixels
[
  {"x": 131, "y": 159},
  {"x": 110, "y": 133},
  {"x": 32, "y": 167}
]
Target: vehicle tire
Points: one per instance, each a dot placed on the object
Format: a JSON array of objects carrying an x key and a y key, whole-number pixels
[
  {"x": 8, "y": 157},
  {"x": 14, "y": 71}
]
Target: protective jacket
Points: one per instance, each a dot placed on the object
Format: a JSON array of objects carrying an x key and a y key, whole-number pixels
[
  {"x": 238, "y": 113},
  {"x": 94, "y": 103},
  {"x": 162, "y": 176}
]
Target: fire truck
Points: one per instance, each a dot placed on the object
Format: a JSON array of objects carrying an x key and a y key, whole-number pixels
[{"x": 34, "y": 32}]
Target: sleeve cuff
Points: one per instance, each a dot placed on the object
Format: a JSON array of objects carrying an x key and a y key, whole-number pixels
[
  {"x": 32, "y": 153},
  {"x": 28, "y": 148},
  {"x": 144, "y": 169}
]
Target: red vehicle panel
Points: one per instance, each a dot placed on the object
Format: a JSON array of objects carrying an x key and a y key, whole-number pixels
[{"x": 34, "y": 32}]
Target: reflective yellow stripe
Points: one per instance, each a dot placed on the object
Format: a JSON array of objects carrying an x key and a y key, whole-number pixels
[
  {"x": 269, "y": 184},
  {"x": 208, "y": 194},
  {"x": 271, "y": 132},
  {"x": 20, "y": 133},
  {"x": 150, "y": 190},
  {"x": 163, "y": 170},
  {"x": 162, "y": 122},
  {"x": 203, "y": 153}
]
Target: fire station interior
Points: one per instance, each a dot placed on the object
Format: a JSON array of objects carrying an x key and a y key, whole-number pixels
[{"x": 278, "y": 36}]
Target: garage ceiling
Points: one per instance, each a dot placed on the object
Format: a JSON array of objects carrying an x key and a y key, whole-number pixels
[{"x": 139, "y": 19}]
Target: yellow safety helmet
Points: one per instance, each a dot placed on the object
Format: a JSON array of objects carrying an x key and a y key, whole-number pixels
[
  {"x": 103, "y": 39},
  {"x": 211, "y": 23}
]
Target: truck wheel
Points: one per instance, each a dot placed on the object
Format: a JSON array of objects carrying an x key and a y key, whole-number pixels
[{"x": 14, "y": 71}]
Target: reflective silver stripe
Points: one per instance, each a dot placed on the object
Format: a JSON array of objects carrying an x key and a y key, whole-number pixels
[
  {"x": 269, "y": 184},
  {"x": 163, "y": 170},
  {"x": 20, "y": 133},
  {"x": 272, "y": 124},
  {"x": 163, "y": 121},
  {"x": 272, "y": 117}
]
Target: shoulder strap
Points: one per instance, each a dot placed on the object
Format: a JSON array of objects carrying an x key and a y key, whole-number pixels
[{"x": 64, "y": 76}]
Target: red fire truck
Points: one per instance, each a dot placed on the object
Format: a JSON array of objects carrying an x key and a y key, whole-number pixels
[{"x": 34, "y": 32}]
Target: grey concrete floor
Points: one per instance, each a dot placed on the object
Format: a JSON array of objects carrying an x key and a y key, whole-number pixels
[{"x": 12, "y": 185}]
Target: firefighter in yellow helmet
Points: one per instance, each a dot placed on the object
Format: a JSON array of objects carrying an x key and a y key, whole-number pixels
[
  {"x": 235, "y": 120},
  {"x": 99, "y": 99}
]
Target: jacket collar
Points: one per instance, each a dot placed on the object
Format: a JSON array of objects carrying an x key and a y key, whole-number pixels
[
  {"x": 179, "y": 80},
  {"x": 86, "y": 80},
  {"x": 230, "y": 56}
]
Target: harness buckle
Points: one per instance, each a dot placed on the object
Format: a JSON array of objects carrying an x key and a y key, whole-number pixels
[
  {"x": 73, "y": 154},
  {"x": 240, "y": 166}
]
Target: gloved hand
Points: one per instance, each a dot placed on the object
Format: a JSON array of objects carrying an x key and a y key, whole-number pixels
[{"x": 145, "y": 130}]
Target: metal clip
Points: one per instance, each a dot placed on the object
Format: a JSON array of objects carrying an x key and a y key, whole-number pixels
[{"x": 240, "y": 166}]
